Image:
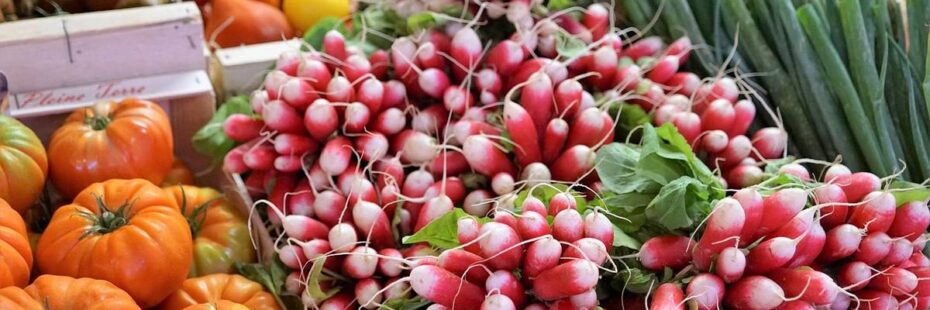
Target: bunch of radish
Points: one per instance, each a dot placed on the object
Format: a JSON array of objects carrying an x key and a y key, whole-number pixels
[
  {"x": 557, "y": 264},
  {"x": 708, "y": 113},
  {"x": 840, "y": 244}
]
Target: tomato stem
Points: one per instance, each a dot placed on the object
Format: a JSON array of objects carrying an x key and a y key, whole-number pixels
[
  {"x": 108, "y": 220},
  {"x": 96, "y": 121}
]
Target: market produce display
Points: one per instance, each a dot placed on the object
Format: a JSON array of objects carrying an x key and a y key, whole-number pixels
[{"x": 525, "y": 154}]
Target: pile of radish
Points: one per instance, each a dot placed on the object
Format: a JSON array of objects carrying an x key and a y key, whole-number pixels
[{"x": 841, "y": 244}]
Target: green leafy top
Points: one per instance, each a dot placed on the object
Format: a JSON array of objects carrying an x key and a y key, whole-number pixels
[
  {"x": 660, "y": 186},
  {"x": 442, "y": 232}
]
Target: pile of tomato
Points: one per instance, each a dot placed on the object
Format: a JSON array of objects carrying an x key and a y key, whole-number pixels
[{"x": 105, "y": 218}]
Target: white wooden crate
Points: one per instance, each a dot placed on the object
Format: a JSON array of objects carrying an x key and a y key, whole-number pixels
[{"x": 242, "y": 69}]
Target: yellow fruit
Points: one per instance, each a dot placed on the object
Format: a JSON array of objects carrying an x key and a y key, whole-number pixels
[{"x": 303, "y": 14}]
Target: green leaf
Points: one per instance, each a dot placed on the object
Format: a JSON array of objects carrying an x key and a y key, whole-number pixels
[
  {"x": 405, "y": 303},
  {"x": 421, "y": 21},
  {"x": 568, "y": 46},
  {"x": 558, "y": 5},
  {"x": 670, "y": 206},
  {"x": 621, "y": 239},
  {"x": 441, "y": 233},
  {"x": 908, "y": 192},
  {"x": 315, "y": 35},
  {"x": 544, "y": 193},
  {"x": 635, "y": 280},
  {"x": 313, "y": 281},
  {"x": 211, "y": 140},
  {"x": 617, "y": 166},
  {"x": 272, "y": 276}
]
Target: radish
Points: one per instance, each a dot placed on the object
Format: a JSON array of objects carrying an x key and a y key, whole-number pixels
[
  {"x": 738, "y": 149},
  {"x": 505, "y": 57},
  {"x": 668, "y": 296},
  {"x": 461, "y": 262},
  {"x": 588, "y": 128},
  {"x": 752, "y": 204},
  {"x": 497, "y": 302},
  {"x": 372, "y": 147},
  {"x": 371, "y": 94},
  {"x": 895, "y": 281},
  {"x": 273, "y": 83},
  {"x": 532, "y": 224},
  {"x": 260, "y": 157},
  {"x": 796, "y": 170},
  {"x": 288, "y": 62},
  {"x": 810, "y": 285},
  {"x": 706, "y": 291},
  {"x": 334, "y": 44},
  {"x": 568, "y": 226},
  {"x": 561, "y": 201},
  {"x": 842, "y": 241},
  {"x": 598, "y": 226},
  {"x": 367, "y": 293},
  {"x": 338, "y": 302},
  {"x": 837, "y": 174},
  {"x": 923, "y": 280},
  {"x": 870, "y": 299},
  {"x": 663, "y": 69},
  {"x": 554, "y": 139},
  {"x": 304, "y": 228},
  {"x": 428, "y": 56},
  {"x": 448, "y": 162},
  {"x": 568, "y": 98},
  {"x": 743, "y": 176},
  {"x": 301, "y": 202},
  {"x": 537, "y": 98},
  {"x": 876, "y": 213},
  {"x": 340, "y": 90},
  {"x": 395, "y": 95},
  {"x": 665, "y": 113},
  {"x": 901, "y": 251},
  {"x": 873, "y": 248},
  {"x": 798, "y": 226},
  {"x": 434, "y": 82},
  {"x": 242, "y": 128},
  {"x": 730, "y": 265},
  {"x": 541, "y": 255},
  {"x": 714, "y": 141},
  {"x": 647, "y": 46},
  {"x": 389, "y": 170},
  {"x": 336, "y": 155},
  {"x": 373, "y": 223},
  {"x": 918, "y": 260},
  {"x": 770, "y": 142},
  {"x": 604, "y": 61},
  {"x": 282, "y": 117},
  {"x": 574, "y": 163},
  {"x": 796, "y": 305},
  {"x": 484, "y": 157},
  {"x": 380, "y": 62},
  {"x": 666, "y": 251},
  {"x": 533, "y": 204},
  {"x": 520, "y": 126},
  {"x": 258, "y": 100},
  {"x": 390, "y": 264},
  {"x": 830, "y": 197},
  {"x": 477, "y": 202},
  {"x": 506, "y": 284},
  {"x": 298, "y": 94},
  {"x": 314, "y": 72},
  {"x": 502, "y": 183},
  {"x": 910, "y": 221},
  {"x": 433, "y": 209},
  {"x": 292, "y": 256},
  {"x": 389, "y": 122},
  {"x": 501, "y": 246},
  {"x": 443, "y": 287},
  {"x": 291, "y": 144},
  {"x": 430, "y": 120},
  {"x": 589, "y": 249},
  {"x": 586, "y": 300},
  {"x": 321, "y": 119},
  {"x": 419, "y": 148},
  {"x": 457, "y": 99},
  {"x": 754, "y": 292},
  {"x": 465, "y": 128},
  {"x": 770, "y": 254},
  {"x": 743, "y": 114},
  {"x": 342, "y": 238},
  {"x": 566, "y": 279},
  {"x": 779, "y": 208},
  {"x": 689, "y": 125},
  {"x": 466, "y": 49},
  {"x": 535, "y": 174},
  {"x": 506, "y": 218},
  {"x": 685, "y": 83},
  {"x": 725, "y": 222},
  {"x": 596, "y": 20},
  {"x": 294, "y": 283}
]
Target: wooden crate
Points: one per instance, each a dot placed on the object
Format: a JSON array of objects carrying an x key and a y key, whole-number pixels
[
  {"x": 235, "y": 191},
  {"x": 240, "y": 70}
]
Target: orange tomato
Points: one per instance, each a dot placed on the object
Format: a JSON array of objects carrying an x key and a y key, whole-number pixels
[
  {"x": 238, "y": 22},
  {"x": 128, "y": 232},
  {"x": 219, "y": 305},
  {"x": 23, "y": 164},
  {"x": 67, "y": 293},
  {"x": 180, "y": 174},
  {"x": 15, "y": 251},
  {"x": 221, "y": 233},
  {"x": 125, "y": 140},
  {"x": 217, "y": 287}
]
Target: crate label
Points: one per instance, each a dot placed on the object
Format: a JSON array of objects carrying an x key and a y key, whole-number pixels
[{"x": 149, "y": 88}]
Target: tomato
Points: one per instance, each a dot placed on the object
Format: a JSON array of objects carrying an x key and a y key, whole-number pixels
[
  {"x": 303, "y": 14},
  {"x": 23, "y": 164},
  {"x": 66, "y": 293},
  {"x": 217, "y": 287},
  {"x": 219, "y": 305},
  {"x": 221, "y": 233},
  {"x": 180, "y": 174},
  {"x": 128, "y": 232},
  {"x": 125, "y": 140},
  {"x": 15, "y": 252}
]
